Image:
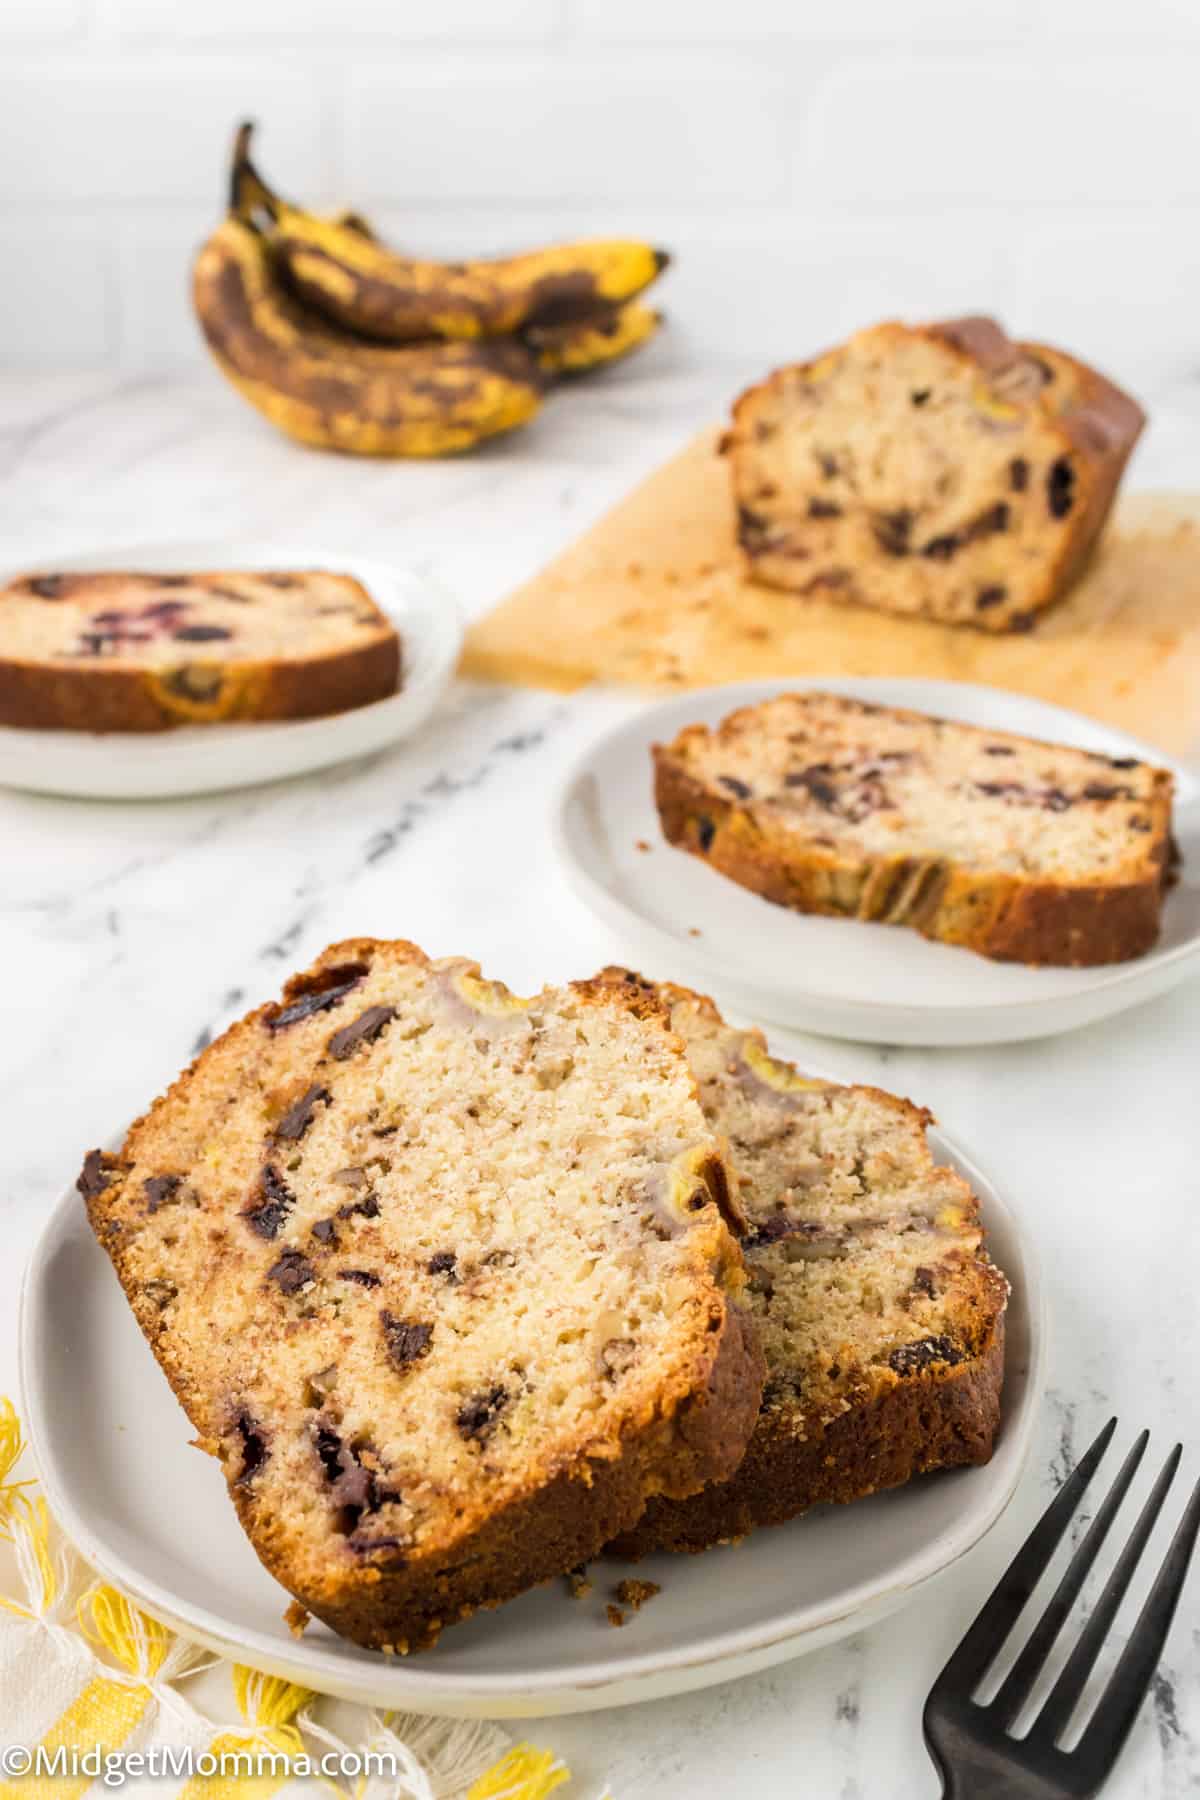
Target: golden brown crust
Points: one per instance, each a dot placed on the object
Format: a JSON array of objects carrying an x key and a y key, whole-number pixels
[
  {"x": 691, "y": 1430},
  {"x": 568, "y": 1522},
  {"x": 1103, "y": 424},
  {"x": 36, "y": 697},
  {"x": 870, "y": 1426},
  {"x": 1008, "y": 917},
  {"x": 908, "y": 1426},
  {"x": 45, "y": 695}
]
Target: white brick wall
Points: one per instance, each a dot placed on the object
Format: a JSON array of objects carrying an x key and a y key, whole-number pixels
[
  {"x": 110, "y": 132},
  {"x": 281, "y": 22},
  {"x": 35, "y": 21},
  {"x": 610, "y": 130},
  {"x": 1007, "y": 133},
  {"x": 813, "y": 163}
]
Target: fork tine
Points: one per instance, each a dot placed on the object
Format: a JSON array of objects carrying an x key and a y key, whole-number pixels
[
  {"x": 1051, "y": 1722},
  {"x": 1020, "y": 1680},
  {"x": 1003, "y": 1607},
  {"x": 1118, "y": 1704}
]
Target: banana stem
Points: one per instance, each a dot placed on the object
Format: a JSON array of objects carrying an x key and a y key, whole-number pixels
[{"x": 248, "y": 192}]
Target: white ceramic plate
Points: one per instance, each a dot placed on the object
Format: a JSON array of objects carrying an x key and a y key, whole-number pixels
[
  {"x": 876, "y": 983},
  {"x": 202, "y": 759},
  {"x": 151, "y": 1514}
]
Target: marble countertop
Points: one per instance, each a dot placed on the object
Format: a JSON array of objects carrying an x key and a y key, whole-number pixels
[{"x": 129, "y": 934}]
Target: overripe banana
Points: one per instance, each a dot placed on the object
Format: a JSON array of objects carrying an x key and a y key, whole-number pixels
[
  {"x": 603, "y": 337},
  {"x": 345, "y": 273},
  {"x": 338, "y": 393}
]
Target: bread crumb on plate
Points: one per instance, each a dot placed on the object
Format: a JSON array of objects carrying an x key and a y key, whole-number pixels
[{"x": 634, "y": 1594}]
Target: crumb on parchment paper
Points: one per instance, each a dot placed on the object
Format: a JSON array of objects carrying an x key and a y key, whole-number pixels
[
  {"x": 641, "y": 844},
  {"x": 296, "y": 1618},
  {"x": 578, "y": 1585},
  {"x": 615, "y": 1615}
]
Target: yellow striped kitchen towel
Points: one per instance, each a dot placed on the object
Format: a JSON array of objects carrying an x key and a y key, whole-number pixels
[{"x": 95, "y": 1695}]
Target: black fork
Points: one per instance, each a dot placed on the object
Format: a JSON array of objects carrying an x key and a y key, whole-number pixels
[{"x": 971, "y": 1743}]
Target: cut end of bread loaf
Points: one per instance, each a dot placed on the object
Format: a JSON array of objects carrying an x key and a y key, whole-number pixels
[
  {"x": 880, "y": 1315},
  {"x": 941, "y": 471},
  {"x": 442, "y": 1274},
  {"x": 1021, "y": 850},
  {"x": 140, "y": 652}
]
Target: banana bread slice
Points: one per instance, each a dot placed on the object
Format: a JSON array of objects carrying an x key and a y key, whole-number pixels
[
  {"x": 1024, "y": 851},
  {"x": 141, "y": 652},
  {"x": 880, "y": 1314},
  {"x": 940, "y": 470},
  {"x": 441, "y": 1276}
]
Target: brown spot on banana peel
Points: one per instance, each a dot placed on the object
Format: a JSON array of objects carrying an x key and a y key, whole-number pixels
[
  {"x": 603, "y": 336},
  {"x": 369, "y": 289},
  {"x": 327, "y": 389},
  {"x": 356, "y": 222}
]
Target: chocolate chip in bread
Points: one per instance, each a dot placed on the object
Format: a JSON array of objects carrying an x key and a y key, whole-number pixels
[
  {"x": 442, "y": 1276},
  {"x": 143, "y": 652},
  {"x": 941, "y": 471},
  {"x": 1022, "y": 850},
  {"x": 879, "y": 1311}
]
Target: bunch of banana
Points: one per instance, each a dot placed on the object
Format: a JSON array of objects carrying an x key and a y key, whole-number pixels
[
  {"x": 336, "y": 392},
  {"x": 347, "y": 345}
]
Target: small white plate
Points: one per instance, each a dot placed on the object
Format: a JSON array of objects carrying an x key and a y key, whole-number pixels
[
  {"x": 151, "y": 1514},
  {"x": 876, "y": 983},
  {"x": 202, "y": 759}
]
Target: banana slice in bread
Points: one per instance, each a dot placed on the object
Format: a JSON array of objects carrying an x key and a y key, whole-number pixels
[
  {"x": 1021, "y": 850},
  {"x": 880, "y": 1314},
  {"x": 441, "y": 1275}
]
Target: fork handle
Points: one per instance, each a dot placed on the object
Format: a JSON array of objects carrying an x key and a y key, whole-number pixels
[{"x": 986, "y": 1784}]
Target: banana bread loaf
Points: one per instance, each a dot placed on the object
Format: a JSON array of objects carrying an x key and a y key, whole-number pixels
[
  {"x": 1021, "y": 850},
  {"x": 940, "y": 470},
  {"x": 880, "y": 1315},
  {"x": 441, "y": 1276},
  {"x": 141, "y": 652}
]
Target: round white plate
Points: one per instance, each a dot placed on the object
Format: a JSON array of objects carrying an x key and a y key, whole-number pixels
[
  {"x": 201, "y": 759},
  {"x": 876, "y": 983},
  {"x": 152, "y": 1515}
]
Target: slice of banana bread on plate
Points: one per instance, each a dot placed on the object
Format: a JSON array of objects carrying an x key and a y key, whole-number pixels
[
  {"x": 879, "y": 1312},
  {"x": 441, "y": 1275},
  {"x": 142, "y": 652},
  {"x": 936, "y": 470},
  {"x": 1022, "y": 850}
]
